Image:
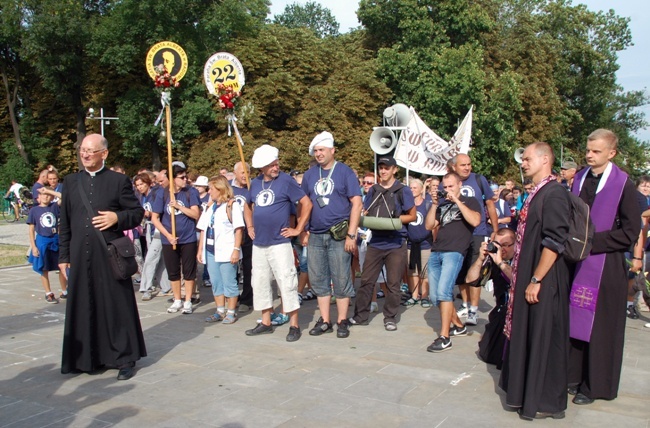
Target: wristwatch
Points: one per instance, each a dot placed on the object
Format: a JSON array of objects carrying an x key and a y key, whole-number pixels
[
  {"x": 534, "y": 280},
  {"x": 352, "y": 236}
]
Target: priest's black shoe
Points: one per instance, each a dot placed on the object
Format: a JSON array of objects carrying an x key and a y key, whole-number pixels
[
  {"x": 581, "y": 399},
  {"x": 541, "y": 415},
  {"x": 572, "y": 390},
  {"x": 126, "y": 372}
]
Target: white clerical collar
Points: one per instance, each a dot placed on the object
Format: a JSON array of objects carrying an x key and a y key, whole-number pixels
[
  {"x": 603, "y": 179},
  {"x": 93, "y": 173}
]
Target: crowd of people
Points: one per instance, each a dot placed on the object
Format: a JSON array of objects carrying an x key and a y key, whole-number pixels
[{"x": 556, "y": 327}]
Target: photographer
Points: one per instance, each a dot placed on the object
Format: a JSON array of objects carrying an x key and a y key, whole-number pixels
[
  {"x": 501, "y": 251},
  {"x": 456, "y": 218}
]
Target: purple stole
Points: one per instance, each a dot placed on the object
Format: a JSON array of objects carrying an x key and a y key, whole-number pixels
[{"x": 589, "y": 272}]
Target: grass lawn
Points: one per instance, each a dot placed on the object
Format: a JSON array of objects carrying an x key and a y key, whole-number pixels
[{"x": 12, "y": 255}]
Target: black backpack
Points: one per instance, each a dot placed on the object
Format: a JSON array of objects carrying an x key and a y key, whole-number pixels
[
  {"x": 581, "y": 231},
  {"x": 383, "y": 203}
]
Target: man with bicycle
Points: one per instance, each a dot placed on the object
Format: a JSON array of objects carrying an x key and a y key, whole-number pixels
[{"x": 15, "y": 191}]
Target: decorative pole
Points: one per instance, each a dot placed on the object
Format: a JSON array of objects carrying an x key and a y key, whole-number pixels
[
  {"x": 223, "y": 75},
  {"x": 167, "y": 64}
]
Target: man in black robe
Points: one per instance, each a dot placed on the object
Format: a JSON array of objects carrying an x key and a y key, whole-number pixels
[
  {"x": 534, "y": 373},
  {"x": 598, "y": 302},
  {"x": 102, "y": 326}
]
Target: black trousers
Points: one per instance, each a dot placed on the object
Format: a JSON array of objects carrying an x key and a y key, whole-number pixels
[{"x": 395, "y": 261}]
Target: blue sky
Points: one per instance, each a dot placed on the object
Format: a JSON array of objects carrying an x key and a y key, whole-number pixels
[{"x": 634, "y": 73}]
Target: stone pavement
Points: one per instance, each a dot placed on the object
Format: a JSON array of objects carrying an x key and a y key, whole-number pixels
[{"x": 205, "y": 375}]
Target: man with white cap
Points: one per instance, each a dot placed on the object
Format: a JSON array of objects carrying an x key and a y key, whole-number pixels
[
  {"x": 273, "y": 194},
  {"x": 333, "y": 189}
]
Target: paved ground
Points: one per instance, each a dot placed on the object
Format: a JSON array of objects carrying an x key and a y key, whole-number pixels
[{"x": 204, "y": 375}]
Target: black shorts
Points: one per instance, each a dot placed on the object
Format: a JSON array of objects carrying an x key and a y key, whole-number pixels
[
  {"x": 184, "y": 256},
  {"x": 470, "y": 257}
]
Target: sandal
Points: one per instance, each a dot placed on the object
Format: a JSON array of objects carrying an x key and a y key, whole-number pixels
[
  {"x": 230, "y": 318},
  {"x": 410, "y": 302},
  {"x": 309, "y": 296},
  {"x": 216, "y": 317},
  {"x": 426, "y": 303}
]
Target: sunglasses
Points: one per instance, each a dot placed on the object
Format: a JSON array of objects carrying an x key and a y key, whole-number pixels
[
  {"x": 368, "y": 182},
  {"x": 182, "y": 177}
]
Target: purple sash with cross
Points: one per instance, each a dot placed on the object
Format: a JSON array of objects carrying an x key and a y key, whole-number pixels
[{"x": 589, "y": 272}]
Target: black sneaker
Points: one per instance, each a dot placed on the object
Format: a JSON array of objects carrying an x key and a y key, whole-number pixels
[
  {"x": 632, "y": 313},
  {"x": 440, "y": 344},
  {"x": 343, "y": 329},
  {"x": 294, "y": 334},
  {"x": 260, "y": 329},
  {"x": 321, "y": 327},
  {"x": 457, "y": 331},
  {"x": 352, "y": 321}
]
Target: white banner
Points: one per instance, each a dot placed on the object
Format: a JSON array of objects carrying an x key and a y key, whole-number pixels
[{"x": 421, "y": 150}]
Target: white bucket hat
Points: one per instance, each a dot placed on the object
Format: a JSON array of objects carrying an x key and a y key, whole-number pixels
[
  {"x": 201, "y": 180},
  {"x": 324, "y": 139}
]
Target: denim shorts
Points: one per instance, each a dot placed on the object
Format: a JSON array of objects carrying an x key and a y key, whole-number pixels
[
  {"x": 443, "y": 270},
  {"x": 223, "y": 276},
  {"x": 329, "y": 263}
]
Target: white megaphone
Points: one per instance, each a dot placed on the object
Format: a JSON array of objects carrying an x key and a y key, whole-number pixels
[
  {"x": 397, "y": 115},
  {"x": 519, "y": 155},
  {"x": 382, "y": 140}
]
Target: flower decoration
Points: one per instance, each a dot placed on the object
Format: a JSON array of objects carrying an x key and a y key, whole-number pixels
[
  {"x": 227, "y": 97},
  {"x": 165, "y": 81}
]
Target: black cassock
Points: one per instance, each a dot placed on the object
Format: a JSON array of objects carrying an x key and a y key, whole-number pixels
[
  {"x": 534, "y": 373},
  {"x": 596, "y": 365},
  {"x": 102, "y": 325}
]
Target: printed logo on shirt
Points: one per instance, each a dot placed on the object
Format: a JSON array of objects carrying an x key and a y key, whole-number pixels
[
  {"x": 147, "y": 206},
  {"x": 241, "y": 200},
  {"x": 177, "y": 211},
  {"x": 419, "y": 219},
  {"x": 324, "y": 186},
  {"x": 468, "y": 191},
  {"x": 47, "y": 220},
  {"x": 449, "y": 214},
  {"x": 265, "y": 198}
]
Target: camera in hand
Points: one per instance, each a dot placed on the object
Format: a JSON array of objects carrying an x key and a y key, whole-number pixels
[
  {"x": 442, "y": 194},
  {"x": 492, "y": 247}
]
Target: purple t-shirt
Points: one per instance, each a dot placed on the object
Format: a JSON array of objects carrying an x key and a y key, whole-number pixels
[
  {"x": 273, "y": 200},
  {"x": 44, "y": 219},
  {"x": 334, "y": 192},
  {"x": 185, "y": 226}
]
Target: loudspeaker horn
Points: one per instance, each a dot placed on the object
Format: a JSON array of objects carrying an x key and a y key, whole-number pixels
[
  {"x": 397, "y": 115},
  {"x": 382, "y": 141},
  {"x": 519, "y": 155}
]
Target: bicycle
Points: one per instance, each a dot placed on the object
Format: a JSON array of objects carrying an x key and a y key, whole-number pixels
[{"x": 8, "y": 213}]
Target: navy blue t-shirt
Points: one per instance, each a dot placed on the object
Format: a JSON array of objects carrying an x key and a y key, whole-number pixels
[
  {"x": 416, "y": 230},
  {"x": 44, "y": 219},
  {"x": 185, "y": 226},
  {"x": 335, "y": 191},
  {"x": 273, "y": 200},
  {"x": 390, "y": 239}
]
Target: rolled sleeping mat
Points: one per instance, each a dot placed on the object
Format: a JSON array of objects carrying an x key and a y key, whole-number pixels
[{"x": 381, "y": 223}]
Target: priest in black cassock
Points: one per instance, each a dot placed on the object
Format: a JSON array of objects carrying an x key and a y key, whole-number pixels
[
  {"x": 102, "y": 325},
  {"x": 599, "y": 289},
  {"x": 534, "y": 373}
]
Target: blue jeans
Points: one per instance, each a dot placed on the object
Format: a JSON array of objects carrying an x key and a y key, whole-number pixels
[
  {"x": 329, "y": 263},
  {"x": 443, "y": 270},
  {"x": 223, "y": 276}
]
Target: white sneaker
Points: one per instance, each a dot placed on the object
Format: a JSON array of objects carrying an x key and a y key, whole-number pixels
[
  {"x": 374, "y": 307},
  {"x": 187, "y": 308},
  {"x": 472, "y": 318},
  {"x": 462, "y": 311},
  {"x": 175, "y": 307}
]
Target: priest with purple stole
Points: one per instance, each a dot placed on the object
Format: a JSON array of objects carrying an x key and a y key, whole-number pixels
[{"x": 599, "y": 290}]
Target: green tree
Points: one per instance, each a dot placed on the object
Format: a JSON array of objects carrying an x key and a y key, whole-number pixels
[{"x": 312, "y": 15}]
